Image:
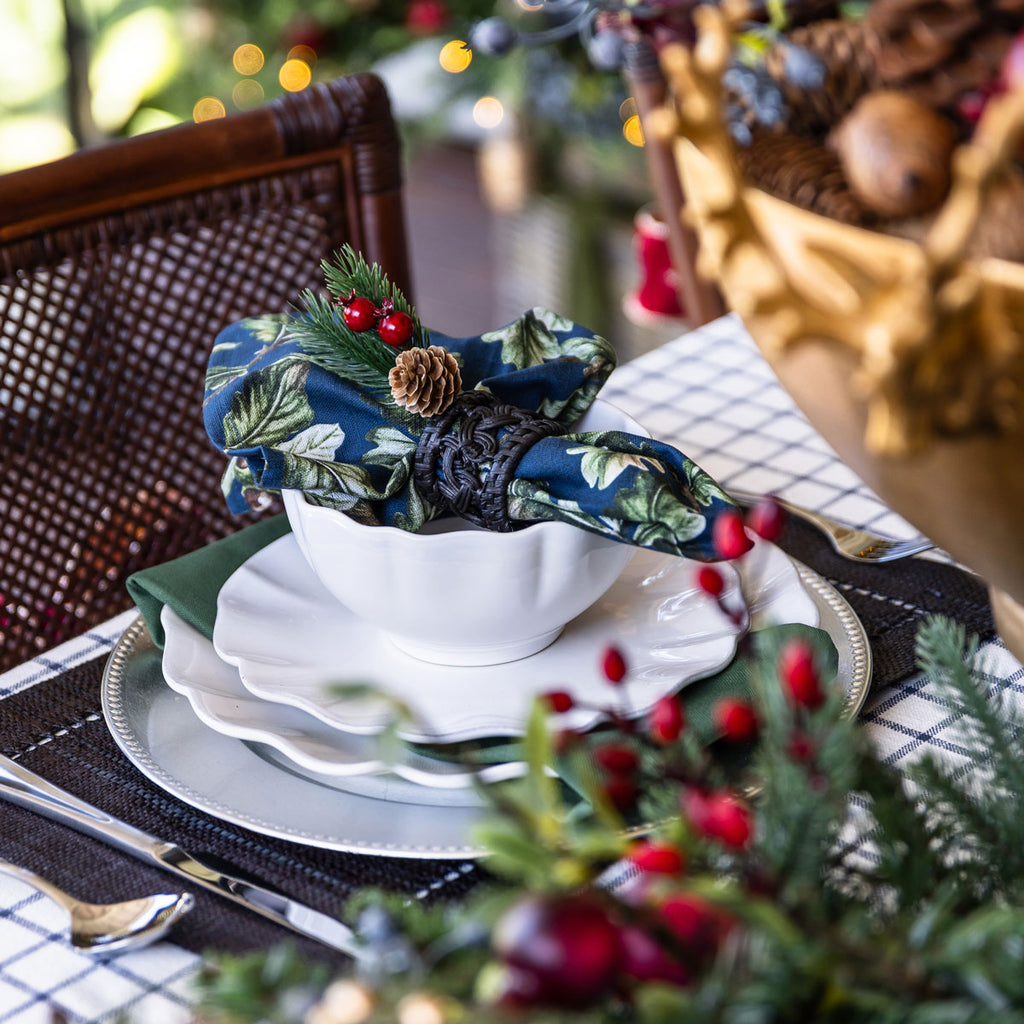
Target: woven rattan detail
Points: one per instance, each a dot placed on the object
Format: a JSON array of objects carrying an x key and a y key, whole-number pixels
[
  {"x": 467, "y": 456},
  {"x": 106, "y": 321}
]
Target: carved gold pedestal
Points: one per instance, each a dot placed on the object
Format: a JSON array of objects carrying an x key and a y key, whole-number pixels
[{"x": 908, "y": 358}]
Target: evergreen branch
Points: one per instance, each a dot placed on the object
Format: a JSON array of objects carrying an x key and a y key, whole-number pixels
[
  {"x": 357, "y": 356},
  {"x": 348, "y": 271}
]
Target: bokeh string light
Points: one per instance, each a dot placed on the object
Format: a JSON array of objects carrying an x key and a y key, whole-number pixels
[
  {"x": 455, "y": 56},
  {"x": 295, "y": 75},
  {"x": 207, "y": 109}
]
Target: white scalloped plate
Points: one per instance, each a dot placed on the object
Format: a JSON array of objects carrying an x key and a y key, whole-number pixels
[
  {"x": 352, "y": 762},
  {"x": 291, "y": 640},
  {"x": 228, "y": 778}
]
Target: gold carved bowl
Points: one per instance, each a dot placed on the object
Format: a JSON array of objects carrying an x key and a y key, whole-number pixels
[{"x": 907, "y": 357}]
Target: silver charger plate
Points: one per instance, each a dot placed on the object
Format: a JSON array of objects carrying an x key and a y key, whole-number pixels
[{"x": 230, "y": 779}]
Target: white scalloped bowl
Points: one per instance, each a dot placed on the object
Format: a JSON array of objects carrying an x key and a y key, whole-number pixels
[{"x": 454, "y": 593}]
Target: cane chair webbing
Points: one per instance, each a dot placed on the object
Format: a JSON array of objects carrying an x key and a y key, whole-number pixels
[{"x": 107, "y": 314}]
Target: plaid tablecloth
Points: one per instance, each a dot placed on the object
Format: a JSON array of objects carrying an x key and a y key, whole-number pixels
[{"x": 713, "y": 396}]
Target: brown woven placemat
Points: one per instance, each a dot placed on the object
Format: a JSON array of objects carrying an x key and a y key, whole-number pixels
[{"x": 56, "y": 729}]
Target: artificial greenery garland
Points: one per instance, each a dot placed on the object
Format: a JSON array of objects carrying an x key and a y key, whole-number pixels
[{"x": 838, "y": 892}]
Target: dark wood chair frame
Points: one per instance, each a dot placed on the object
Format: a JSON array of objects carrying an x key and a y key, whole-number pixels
[{"x": 118, "y": 266}]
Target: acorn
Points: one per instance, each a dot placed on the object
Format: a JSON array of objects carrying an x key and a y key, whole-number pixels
[{"x": 895, "y": 153}]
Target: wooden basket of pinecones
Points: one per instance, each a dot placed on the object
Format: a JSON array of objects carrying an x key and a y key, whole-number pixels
[
  {"x": 868, "y": 226},
  {"x": 873, "y": 107}
]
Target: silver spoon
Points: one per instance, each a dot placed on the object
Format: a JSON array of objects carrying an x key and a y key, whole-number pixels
[
  {"x": 102, "y": 929},
  {"x": 856, "y": 545}
]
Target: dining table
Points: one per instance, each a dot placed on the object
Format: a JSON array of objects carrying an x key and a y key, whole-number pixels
[{"x": 707, "y": 391}]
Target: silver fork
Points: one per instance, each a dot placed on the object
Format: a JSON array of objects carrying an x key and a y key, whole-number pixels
[{"x": 856, "y": 545}]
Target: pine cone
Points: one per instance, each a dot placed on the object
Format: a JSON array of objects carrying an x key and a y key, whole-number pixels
[
  {"x": 803, "y": 172},
  {"x": 936, "y": 50},
  {"x": 425, "y": 380},
  {"x": 848, "y": 51}
]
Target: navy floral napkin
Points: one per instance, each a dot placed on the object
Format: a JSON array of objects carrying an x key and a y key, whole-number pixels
[{"x": 287, "y": 421}]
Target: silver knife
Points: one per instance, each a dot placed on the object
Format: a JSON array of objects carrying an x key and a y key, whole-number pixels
[{"x": 20, "y": 786}]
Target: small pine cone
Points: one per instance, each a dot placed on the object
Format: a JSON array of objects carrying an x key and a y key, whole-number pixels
[
  {"x": 425, "y": 380},
  {"x": 802, "y": 172},
  {"x": 848, "y": 51},
  {"x": 971, "y": 68}
]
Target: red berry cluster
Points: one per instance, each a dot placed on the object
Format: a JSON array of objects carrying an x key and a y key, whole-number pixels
[
  {"x": 576, "y": 951},
  {"x": 361, "y": 314},
  {"x": 591, "y": 947},
  {"x": 731, "y": 539}
]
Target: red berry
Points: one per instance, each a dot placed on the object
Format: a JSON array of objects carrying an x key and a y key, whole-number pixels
[
  {"x": 620, "y": 791},
  {"x": 735, "y": 719},
  {"x": 613, "y": 665},
  {"x": 801, "y": 748},
  {"x": 728, "y": 820},
  {"x": 667, "y": 720},
  {"x": 767, "y": 519},
  {"x": 646, "y": 960},
  {"x": 425, "y": 17},
  {"x": 710, "y": 580},
  {"x": 728, "y": 536},
  {"x": 617, "y": 758},
  {"x": 359, "y": 314},
  {"x": 658, "y": 858},
  {"x": 396, "y": 328},
  {"x": 558, "y": 700},
  {"x": 799, "y": 674},
  {"x": 568, "y": 944},
  {"x": 697, "y": 925},
  {"x": 721, "y": 816}
]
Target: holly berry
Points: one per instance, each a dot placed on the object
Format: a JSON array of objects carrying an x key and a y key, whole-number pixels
[
  {"x": 698, "y": 926},
  {"x": 735, "y": 719},
  {"x": 613, "y": 665},
  {"x": 721, "y": 816},
  {"x": 359, "y": 314},
  {"x": 799, "y": 673},
  {"x": 666, "y": 720},
  {"x": 564, "y": 951},
  {"x": 621, "y": 792},
  {"x": 710, "y": 580},
  {"x": 426, "y": 17},
  {"x": 801, "y": 748},
  {"x": 617, "y": 758},
  {"x": 647, "y": 960},
  {"x": 728, "y": 536},
  {"x": 657, "y": 858},
  {"x": 558, "y": 701},
  {"x": 767, "y": 519},
  {"x": 397, "y": 328}
]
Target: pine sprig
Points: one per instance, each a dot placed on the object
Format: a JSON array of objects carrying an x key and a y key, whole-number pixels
[
  {"x": 362, "y": 357},
  {"x": 918, "y": 936},
  {"x": 348, "y": 271}
]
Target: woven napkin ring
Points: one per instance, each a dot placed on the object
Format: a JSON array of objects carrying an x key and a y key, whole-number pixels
[{"x": 467, "y": 455}]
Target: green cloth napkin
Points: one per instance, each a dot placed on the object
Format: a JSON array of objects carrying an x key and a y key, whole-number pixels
[{"x": 190, "y": 584}]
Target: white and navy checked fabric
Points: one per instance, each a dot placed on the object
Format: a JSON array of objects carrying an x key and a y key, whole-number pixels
[
  {"x": 40, "y": 974},
  {"x": 712, "y": 395}
]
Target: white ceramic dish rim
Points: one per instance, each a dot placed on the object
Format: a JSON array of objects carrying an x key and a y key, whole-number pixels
[{"x": 283, "y": 669}]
